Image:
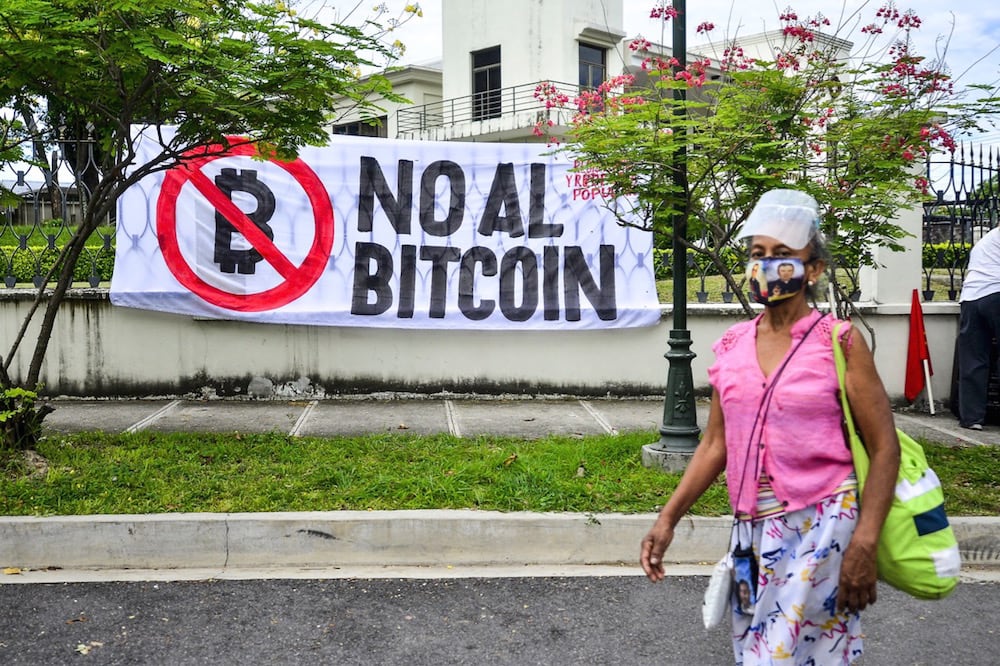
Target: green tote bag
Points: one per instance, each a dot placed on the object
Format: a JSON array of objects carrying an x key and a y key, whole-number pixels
[{"x": 917, "y": 550}]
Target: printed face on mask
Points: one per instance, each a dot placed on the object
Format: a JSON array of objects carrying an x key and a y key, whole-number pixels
[{"x": 774, "y": 279}]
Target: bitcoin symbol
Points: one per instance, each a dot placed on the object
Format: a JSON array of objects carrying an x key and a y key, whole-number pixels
[{"x": 230, "y": 259}]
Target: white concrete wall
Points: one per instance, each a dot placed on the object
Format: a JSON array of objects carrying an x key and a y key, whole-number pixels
[
  {"x": 537, "y": 38},
  {"x": 101, "y": 350}
]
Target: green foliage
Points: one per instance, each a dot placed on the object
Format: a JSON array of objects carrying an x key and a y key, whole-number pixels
[
  {"x": 148, "y": 472},
  {"x": 699, "y": 263},
  {"x": 38, "y": 234},
  {"x": 221, "y": 73},
  {"x": 946, "y": 255},
  {"x": 25, "y": 265},
  {"x": 851, "y": 135},
  {"x": 29, "y": 251},
  {"x": 970, "y": 476},
  {"x": 214, "y": 69},
  {"x": 20, "y": 419},
  {"x": 12, "y": 138}
]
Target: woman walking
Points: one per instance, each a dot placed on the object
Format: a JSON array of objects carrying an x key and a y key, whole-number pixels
[{"x": 802, "y": 537}]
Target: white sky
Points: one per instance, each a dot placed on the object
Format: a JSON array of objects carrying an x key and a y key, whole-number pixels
[{"x": 965, "y": 34}]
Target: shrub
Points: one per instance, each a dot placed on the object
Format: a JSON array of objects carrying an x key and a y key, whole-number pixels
[
  {"x": 21, "y": 266},
  {"x": 945, "y": 255},
  {"x": 20, "y": 419}
]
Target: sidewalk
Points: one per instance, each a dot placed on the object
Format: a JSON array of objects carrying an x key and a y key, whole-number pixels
[
  {"x": 376, "y": 544},
  {"x": 459, "y": 415}
]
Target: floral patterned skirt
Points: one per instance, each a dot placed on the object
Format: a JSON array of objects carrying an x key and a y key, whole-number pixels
[{"x": 795, "y": 620}]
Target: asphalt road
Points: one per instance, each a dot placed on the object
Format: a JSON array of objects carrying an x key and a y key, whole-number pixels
[{"x": 413, "y": 622}]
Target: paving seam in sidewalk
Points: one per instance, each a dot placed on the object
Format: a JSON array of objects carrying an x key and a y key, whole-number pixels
[
  {"x": 452, "y": 417},
  {"x": 300, "y": 423},
  {"x": 152, "y": 418},
  {"x": 597, "y": 416}
]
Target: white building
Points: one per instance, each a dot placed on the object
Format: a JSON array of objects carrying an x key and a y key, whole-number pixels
[{"x": 494, "y": 57}]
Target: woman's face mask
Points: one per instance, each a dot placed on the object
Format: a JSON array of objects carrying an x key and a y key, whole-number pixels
[{"x": 774, "y": 279}]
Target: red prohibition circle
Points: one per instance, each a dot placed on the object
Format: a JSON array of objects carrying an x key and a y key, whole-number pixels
[{"x": 297, "y": 279}]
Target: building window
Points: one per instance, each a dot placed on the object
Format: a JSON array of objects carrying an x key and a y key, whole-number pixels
[
  {"x": 375, "y": 127},
  {"x": 593, "y": 66},
  {"x": 486, "y": 83}
]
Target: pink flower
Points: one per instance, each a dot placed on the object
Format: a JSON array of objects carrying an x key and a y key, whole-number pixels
[
  {"x": 658, "y": 64},
  {"x": 888, "y": 12},
  {"x": 734, "y": 58},
  {"x": 639, "y": 44},
  {"x": 909, "y": 20},
  {"x": 705, "y": 27},
  {"x": 942, "y": 136},
  {"x": 663, "y": 11},
  {"x": 787, "y": 61},
  {"x": 803, "y": 34}
]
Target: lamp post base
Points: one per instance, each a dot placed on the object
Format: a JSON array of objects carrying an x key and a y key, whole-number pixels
[
  {"x": 655, "y": 457},
  {"x": 679, "y": 431}
]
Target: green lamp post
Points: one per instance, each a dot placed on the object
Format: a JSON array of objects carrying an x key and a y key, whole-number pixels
[{"x": 679, "y": 429}]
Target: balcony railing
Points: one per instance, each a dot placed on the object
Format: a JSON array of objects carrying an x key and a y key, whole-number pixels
[{"x": 499, "y": 103}]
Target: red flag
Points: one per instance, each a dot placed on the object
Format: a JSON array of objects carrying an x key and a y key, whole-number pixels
[{"x": 917, "y": 352}]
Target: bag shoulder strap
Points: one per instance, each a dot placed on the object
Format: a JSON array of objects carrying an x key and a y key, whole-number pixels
[{"x": 858, "y": 452}]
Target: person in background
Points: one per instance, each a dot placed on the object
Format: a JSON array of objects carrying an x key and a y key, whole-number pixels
[
  {"x": 979, "y": 325},
  {"x": 787, "y": 283},
  {"x": 775, "y": 428},
  {"x": 756, "y": 277}
]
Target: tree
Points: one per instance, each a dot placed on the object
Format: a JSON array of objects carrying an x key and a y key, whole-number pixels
[
  {"x": 224, "y": 73},
  {"x": 848, "y": 131},
  {"x": 11, "y": 150}
]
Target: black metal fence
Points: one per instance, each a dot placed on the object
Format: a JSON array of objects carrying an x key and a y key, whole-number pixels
[
  {"x": 42, "y": 200},
  {"x": 966, "y": 185}
]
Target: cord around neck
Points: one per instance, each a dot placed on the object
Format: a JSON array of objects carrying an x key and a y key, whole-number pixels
[{"x": 765, "y": 403}]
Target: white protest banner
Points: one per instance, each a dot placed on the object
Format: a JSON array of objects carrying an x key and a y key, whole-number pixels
[{"x": 377, "y": 232}]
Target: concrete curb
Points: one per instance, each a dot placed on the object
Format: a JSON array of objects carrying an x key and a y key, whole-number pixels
[
  {"x": 457, "y": 538},
  {"x": 342, "y": 538}
]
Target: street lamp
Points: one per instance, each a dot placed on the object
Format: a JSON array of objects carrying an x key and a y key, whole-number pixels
[{"x": 679, "y": 429}]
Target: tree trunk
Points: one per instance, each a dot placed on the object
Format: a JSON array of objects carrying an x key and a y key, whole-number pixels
[{"x": 74, "y": 250}]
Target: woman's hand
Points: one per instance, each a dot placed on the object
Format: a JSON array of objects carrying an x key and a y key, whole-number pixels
[
  {"x": 858, "y": 576},
  {"x": 654, "y": 545},
  {"x": 706, "y": 464}
]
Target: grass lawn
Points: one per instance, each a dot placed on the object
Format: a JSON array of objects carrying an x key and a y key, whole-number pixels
[{"x": 96, "y": 473}]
